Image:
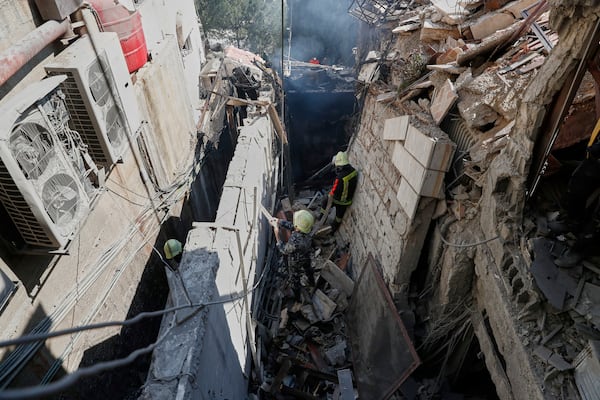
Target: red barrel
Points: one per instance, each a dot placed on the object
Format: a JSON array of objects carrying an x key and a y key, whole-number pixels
[{"x": 128, "y": 26}]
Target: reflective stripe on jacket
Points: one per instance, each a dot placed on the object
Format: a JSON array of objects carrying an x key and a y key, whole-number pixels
[{"x": 344, "y": 186}]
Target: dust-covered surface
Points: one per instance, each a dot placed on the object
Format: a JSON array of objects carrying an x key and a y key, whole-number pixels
[{"x": 489, "y": 79}]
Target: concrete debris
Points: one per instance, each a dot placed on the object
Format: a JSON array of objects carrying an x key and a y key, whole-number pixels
[
  {"x": 337, "y": 278},
  {"x": 305, "y": 352},
  {"x": 443, "y": 100},
  {"x": 323, "y": 305},
  {"x": 481, "y": 56}
]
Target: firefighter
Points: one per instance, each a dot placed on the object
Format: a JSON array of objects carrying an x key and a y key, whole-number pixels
[
  {"x": 298, "y": 248},
  {"x": 173, "y": 251},
  {"x": 342, "y": 191},
  {"x": 581, "y": 218}
]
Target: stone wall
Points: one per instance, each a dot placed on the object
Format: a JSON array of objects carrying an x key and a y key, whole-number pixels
[{"x": 376, "y": 222}]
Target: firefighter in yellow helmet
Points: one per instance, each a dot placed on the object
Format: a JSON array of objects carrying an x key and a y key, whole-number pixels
[
  {"x": 173, "y": 251},
  {"x": 342, "y": 191},
  {"x": 298, "y": 248}
]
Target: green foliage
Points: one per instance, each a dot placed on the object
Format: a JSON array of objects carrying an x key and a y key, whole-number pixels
[{"x": 257, "y": 22}]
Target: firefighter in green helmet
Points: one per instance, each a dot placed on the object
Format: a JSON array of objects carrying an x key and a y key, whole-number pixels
[
  {"x": 173, "y": 251},
  {"x": 298, "y": 248}
]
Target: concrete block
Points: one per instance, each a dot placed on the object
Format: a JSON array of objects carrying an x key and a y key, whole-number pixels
[
  {"x": 408, "y": 199},
  {"x": 337, "y": 278},
  {"x": 516, "y": 7},
  {"x": 395, "y": 128},
  {"x": 433, "y": 153},
  {"x": 425, "y": 182},
  {"x": 491, "y": 23},
  {"x": 443, "y": 99}
]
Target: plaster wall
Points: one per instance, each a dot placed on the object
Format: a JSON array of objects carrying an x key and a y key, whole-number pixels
[
  {"x": 97, "y": 279},
  {"x": 177, "y": 18},
  {"x": 166, "y": 108}
]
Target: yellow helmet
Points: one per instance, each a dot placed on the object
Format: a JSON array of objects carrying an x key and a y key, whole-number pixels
[
  {"x": 341, "y": 159},
  {"x": 303, "y": 221},
  {"x": 172, "y": 248}
]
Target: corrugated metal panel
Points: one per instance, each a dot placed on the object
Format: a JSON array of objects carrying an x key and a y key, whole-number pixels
[{"x": 587, "y": 372}]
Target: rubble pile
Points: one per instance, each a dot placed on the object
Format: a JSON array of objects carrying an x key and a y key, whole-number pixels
[
  {"x": 464, "y": 66},
  {"x": 302, "y": 341}
]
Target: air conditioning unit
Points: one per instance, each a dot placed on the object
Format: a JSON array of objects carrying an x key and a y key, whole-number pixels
[
  {"x": 99, "y": 94},
  {"x": 41, "y": 188}
]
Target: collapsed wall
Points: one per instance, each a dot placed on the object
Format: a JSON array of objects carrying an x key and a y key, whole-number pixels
[{"x": 463, "y": 258}]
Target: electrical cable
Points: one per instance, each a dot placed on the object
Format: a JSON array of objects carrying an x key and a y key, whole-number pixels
[
  {"x": 143, "y": 315},
  {"x": 69, "y": 380},
  {"x": 125, "y": 198}
]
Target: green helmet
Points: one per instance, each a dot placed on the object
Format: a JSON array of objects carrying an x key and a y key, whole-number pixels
[
  {"x": 172, "y": 248},
  {"x": 303, "y": 221},
  {"x": 341, "y": 159}
]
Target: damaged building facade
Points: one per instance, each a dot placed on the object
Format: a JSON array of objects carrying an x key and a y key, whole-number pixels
[{"x": 474, "y": 94}]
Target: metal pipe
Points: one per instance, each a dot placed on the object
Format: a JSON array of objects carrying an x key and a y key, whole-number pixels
[{"x": 16, "y": 56}]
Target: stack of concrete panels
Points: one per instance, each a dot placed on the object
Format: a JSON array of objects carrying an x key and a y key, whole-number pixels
[{"x": 421, "y": 158}]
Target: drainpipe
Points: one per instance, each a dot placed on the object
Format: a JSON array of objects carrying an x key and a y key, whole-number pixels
[{"x": 16, "y": 56}]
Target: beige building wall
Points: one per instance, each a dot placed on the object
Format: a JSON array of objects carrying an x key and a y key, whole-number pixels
[{"x": 97, "y": 279}]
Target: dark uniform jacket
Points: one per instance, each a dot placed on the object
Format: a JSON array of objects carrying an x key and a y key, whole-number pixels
[
  {"x": 344, "y": 185},
  {"x": 297, "y": 248}
]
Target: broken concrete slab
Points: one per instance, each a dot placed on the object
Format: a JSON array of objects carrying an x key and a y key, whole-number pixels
[
  {"x": 453, "y": 12},
  {"x": 408, "y": 25},
  {"x": 448, "y": 68},
  {"x": 543, "y": 353},
  {"x": 323, "y": 305},
  {"x": 345, "y": 384},
  {"x": 434, "y": 32},
  {"x": 558, "y": 362},
  {"x": 408, "y": 199},
  {"x": 424, "y": 181},
  {"x": 396, "y": 128},
  {"x": 443, "y": 100},
  {"x": 337, "y": 278},
  {"x": 490, "y": 23},
  {"x": 434, "y": 151}
]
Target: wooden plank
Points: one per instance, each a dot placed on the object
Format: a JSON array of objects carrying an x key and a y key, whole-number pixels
[{"x": 277, "y": 124}]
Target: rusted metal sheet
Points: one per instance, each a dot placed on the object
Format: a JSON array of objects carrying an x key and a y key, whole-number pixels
[{"x": 384, "y": 356}]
